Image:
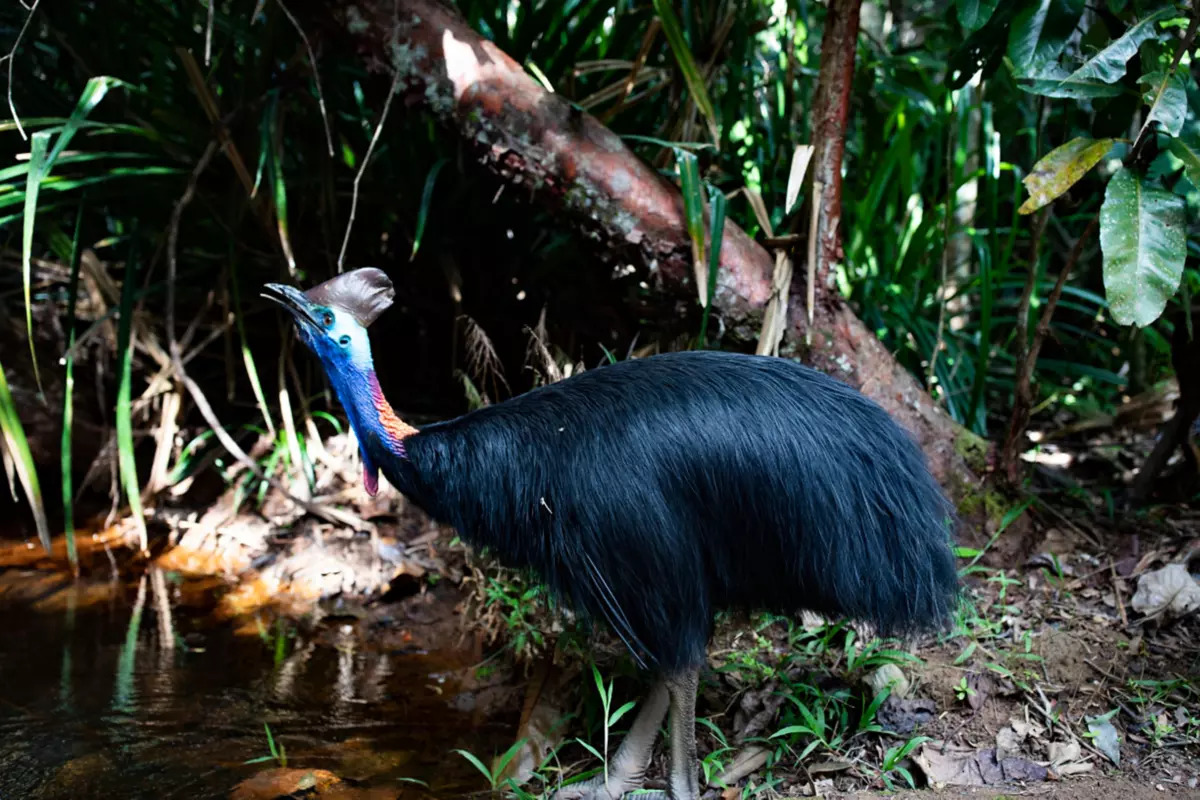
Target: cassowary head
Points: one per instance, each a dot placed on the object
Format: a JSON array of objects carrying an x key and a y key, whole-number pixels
[{"x": 332, "y": 319}]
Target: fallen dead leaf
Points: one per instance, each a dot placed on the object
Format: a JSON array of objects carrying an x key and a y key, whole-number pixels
[
  {"x": 1105, "y": 737},
  {"x": 272, "y": 783},
  {"x": 981, "y": 688},
  {"x": 959, "y": 766},
  {"x": 1062, "y": 752},
  {"x": 1171, "y": 591},
  {"x": 1008, "y": 743}
]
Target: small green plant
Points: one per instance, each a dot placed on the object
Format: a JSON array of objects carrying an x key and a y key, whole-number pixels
[
  {"x": 610, "y": 717},
  {"x": 713, "y": 763},
  {"x": 963, "y": 690},
  {"x": 872, "y": 655},
  {"x": 892, "y": 762},
  {"x": 493, "y": 775},
  {"x": 517, "y": 602},
  {"x": 277, "y": 752}
]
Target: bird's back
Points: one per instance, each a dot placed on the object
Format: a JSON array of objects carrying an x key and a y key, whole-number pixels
[{"x": 656, "y": 491}]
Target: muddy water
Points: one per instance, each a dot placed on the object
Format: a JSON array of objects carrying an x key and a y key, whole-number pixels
[{"x": 124, "y": 691}]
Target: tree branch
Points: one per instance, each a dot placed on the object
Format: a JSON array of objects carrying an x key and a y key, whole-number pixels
[
  {"x": 1023, "y": 396},
  {"x": 585, "y": 173}
]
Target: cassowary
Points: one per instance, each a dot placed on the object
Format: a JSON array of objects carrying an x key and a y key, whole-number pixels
[{"x": 654, "y": 492}]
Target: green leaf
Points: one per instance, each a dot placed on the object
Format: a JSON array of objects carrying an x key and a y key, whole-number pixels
[
  {"x": 974, "y": 14},
  {"x": 1144, "y": 241},
  {"x": 1060, "y": 169},
  {"x": 68, "y": 415},
  {"x": 426, "y": 198},
  {"x": 1039, "y": 32},
  {"x": 19, "y": 459},
  {"x": 1109, "y": 64},
  {"x": 501, "y": 763},
  {"x": 38, "y": 167},
  {"x": 687, "y": 65},
  {"x": 1068, "y": 86},
  {"x": 1187, "y": 150},
  {"x": 1167, "y": 97},
  {"x": 693, "y": 211},
  {"x": 717, "y": 227},
  {"x": 1105, "y": 67},
  {"x": 41, "y": 161},
  {"x": 260, "y": 396},
  {"x": 620, "y": 712},
  {"x": 475, "y": 762},
  {"x": 126, "y": 462},
  {"x": 272, "y": 145}
]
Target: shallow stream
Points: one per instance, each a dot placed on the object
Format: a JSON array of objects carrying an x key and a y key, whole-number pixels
[{"x": 135, "y": 691}]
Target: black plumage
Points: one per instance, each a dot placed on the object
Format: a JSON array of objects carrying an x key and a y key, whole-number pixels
[{"x": 654, "y": 492}]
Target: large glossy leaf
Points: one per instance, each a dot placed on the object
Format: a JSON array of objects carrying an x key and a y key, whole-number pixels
[
  {"x": 1105, "y": 67},
  {"x": 1187, "y": 150},
  {"x": 983, "y": 51},
  {"x": 1166, "y": 95},
  {"x": 1059, "y": 83},
  {"x": 1039, "y": 32},
  {"x": 1060, "y": 169},
  {"x": 1144, "y": 240},
  {"x": 974, "y": 14}
]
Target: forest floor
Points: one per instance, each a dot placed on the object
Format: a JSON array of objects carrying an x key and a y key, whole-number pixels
[{"x": 1058, "y": 678}]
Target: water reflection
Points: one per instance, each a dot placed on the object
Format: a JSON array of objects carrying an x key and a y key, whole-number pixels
[{"x": 118, "y": 691}]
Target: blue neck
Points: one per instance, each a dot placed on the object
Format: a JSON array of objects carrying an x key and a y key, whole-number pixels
[{"x": 358, "y": 391}]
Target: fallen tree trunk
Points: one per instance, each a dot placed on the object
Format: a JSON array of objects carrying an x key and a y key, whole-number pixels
[{"x": 536, "y": 139}]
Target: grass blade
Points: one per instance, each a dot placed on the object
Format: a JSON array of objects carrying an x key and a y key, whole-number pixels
[
  {"x": 41, "y": 161},
  {"x": 479, "y": 765},
  {"x": 693, "y": 209},
  {"x": 127, "y": 659},
  {"x": 423, "y": 211},
  {"x": 687, "y": 65},
  {"x": 247, "y": 357},
  {"x": 20, "y": 459},
  {"x": 93, "y": 92},
  {"x": 127, "y": 464},
  {"x": 38, "y": 146},
  {"x": 714, "y": 259},
  {"x": 272, "y": 144},
  {"x": 68, "y": 490}
]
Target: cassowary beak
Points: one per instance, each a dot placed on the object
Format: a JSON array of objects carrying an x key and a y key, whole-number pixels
[{"x": 293, "y": 300}]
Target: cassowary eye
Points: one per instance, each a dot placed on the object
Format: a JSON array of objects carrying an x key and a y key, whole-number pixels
[
  {"x": 327, "y": 319},
  {"x": 344, "y": 341}
]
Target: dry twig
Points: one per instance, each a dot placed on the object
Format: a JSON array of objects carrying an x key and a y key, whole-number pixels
[
  {"x": 11, "y": 57},
  {"x": 387, "y": 104},
  {"x": 312, "y": 60}
]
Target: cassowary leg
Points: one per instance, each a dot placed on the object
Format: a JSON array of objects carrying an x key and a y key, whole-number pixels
[
  {"x": 628, "y": 766},
  {"x": 683, "y": 779}
]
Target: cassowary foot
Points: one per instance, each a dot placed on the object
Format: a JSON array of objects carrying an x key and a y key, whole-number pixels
[
  {"x": 596, "y": 789},
  {"x": 628, "y": 766}
]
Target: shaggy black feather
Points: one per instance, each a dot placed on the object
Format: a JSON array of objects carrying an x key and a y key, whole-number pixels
[{"x": 654, "y": 492}]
